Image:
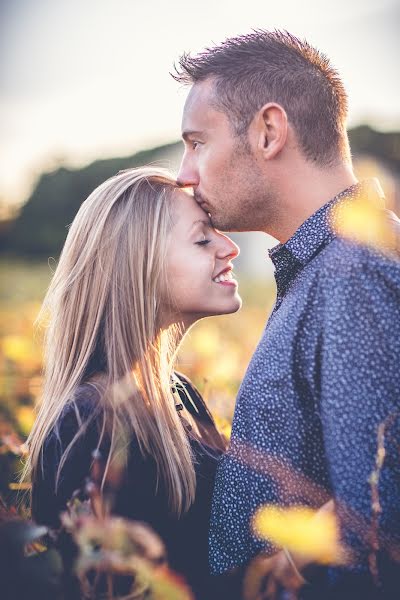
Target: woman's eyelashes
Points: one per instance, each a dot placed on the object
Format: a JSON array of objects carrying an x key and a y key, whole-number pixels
[{"x": 203, "y": 242}]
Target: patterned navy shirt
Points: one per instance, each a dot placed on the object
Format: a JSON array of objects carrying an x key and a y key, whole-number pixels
[{"x": 325, "y": 374}]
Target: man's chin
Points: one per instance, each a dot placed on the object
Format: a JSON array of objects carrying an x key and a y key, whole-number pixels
[
  {"x": 223, "y": 225},
  {"x": 216, "y": 221}
]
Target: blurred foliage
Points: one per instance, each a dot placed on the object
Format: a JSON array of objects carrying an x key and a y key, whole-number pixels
[
  {"x": 42, "y": 225},
  {"x": 93, "y": 555},
  {"x": 384, "y": 146},
  {"x": 28, "y": 571},
  {"x": 214, "y": 354}
]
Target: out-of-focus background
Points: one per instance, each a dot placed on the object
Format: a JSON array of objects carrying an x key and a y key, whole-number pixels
[{"x": 86, "y": 91}]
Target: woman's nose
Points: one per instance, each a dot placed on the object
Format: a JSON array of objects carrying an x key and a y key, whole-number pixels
[{"x": 227, "y": 247}]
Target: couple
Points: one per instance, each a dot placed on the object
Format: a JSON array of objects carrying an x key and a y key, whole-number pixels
[{"x": 266, "y": 149}]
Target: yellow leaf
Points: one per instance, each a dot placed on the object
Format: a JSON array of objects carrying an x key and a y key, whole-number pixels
[
  {"x": 363, "y": 222},
  {"x": 16, "y": 347},
  {"x": 22, "y": 351},
  {"x": 166, "y": 585},
  {"x": 301, "y": 530},
  {"x": 20, "y": 486},
  {"x": 25, "y": 417}
]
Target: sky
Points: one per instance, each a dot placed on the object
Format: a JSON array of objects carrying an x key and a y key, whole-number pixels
[{"x": 88, "y": 79}]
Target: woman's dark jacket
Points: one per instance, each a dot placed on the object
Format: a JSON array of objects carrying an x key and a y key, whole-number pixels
[{"x": 138, "y": 497}]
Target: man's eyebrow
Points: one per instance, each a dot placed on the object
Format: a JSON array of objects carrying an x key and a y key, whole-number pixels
[{"x": 189, "y": 133}]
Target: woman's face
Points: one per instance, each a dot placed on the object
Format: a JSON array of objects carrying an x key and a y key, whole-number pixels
[{"x": 199, "y": 265}]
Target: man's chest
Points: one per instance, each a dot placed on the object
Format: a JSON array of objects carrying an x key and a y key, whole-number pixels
[{"x": 279, "y": 395}]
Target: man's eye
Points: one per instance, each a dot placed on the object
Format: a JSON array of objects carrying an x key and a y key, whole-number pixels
[
  {"x": 194, "y": 145},
  {"x": 203, "y": 242}
]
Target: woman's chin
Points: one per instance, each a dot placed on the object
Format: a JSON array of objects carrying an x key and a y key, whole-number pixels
[
  {"x": 238, "y": 305},
  {"x": 189, "y": 319},
  {"x": 232, "y": 307}
]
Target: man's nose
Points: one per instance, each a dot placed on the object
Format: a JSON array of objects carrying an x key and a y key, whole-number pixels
[{"x": 188, "y": 174}]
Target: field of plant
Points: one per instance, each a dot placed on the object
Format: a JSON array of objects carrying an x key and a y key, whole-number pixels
[{"x": 214, "y": 354}]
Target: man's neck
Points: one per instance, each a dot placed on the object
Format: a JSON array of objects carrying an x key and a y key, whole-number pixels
[{"x": 305, "y": 191}]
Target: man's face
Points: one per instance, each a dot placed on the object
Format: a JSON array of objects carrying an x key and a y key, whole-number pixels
[{"x": 219, "y": 165}]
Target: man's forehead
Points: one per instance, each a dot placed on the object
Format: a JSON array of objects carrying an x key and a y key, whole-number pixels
[
  {"x": 201, "y": 92},
  {"x": 198, "y": 106},
  {"x": 201, "y": 114}
]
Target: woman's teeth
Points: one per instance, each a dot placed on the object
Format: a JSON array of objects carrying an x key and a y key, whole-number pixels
[{"x": 223, "y": 277}]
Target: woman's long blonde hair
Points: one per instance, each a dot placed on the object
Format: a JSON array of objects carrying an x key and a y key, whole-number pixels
[{"x": 103, "y": 304}]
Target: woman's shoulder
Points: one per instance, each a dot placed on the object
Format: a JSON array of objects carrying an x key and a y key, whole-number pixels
[
  {"x": 82, "y": 409},
  {"x": 190, "y": 396},
  {"x": 193, "y": 402},
  {"x": 86, "y": 398},
  {"x": 76, "y": 430}
]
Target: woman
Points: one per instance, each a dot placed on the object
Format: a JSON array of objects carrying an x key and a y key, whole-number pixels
[{"x": 140, "y": 265}]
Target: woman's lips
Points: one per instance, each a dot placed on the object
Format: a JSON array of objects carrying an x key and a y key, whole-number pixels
[{"x": 232, "y": 282}]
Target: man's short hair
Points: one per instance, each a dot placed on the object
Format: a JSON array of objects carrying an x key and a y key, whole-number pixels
[{"x": 275, "y": 66}]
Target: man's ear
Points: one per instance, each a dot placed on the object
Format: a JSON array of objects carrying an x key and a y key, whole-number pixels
[{"x": 271, "y": 124}]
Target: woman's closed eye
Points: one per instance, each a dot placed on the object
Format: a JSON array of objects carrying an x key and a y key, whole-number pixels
[{"x": 203, "y": 242}]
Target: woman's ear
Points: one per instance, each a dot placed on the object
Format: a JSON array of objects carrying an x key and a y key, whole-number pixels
[{"x": 272, "y": 128}]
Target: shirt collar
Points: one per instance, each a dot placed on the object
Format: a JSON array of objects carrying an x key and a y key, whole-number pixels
[{"x": 313, "y": 234}]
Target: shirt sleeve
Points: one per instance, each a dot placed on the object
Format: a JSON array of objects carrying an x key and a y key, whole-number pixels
[{"x": 359, "y": 401}]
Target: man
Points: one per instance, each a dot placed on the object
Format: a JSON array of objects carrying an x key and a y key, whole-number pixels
[{"x": 266, "y": 149}]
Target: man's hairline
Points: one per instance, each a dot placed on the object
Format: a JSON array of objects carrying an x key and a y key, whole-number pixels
[
  {"x": 243, "y": 136},
  {"x": 218, "y": 105}
]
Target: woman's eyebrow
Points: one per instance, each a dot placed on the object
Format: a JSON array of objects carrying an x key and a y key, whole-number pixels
[{"x": 202, "y": 221}]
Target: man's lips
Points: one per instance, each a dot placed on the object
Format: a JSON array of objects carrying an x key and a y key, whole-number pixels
[
  {"x": 200, "y": 201},
  {"x": 204, "y": 206}
]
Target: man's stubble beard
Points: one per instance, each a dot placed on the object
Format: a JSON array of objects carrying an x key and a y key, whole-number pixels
[{"x": 254, "y": 199}]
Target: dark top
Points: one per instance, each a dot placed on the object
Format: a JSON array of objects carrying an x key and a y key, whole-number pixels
[
  {"x": 324, "y": 376},
  {"x": 185, "y": 537}
]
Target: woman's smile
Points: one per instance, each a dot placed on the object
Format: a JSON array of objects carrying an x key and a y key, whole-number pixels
[
  {"x": 198, "y": 253},
  {"x": 225, "y": 277}
]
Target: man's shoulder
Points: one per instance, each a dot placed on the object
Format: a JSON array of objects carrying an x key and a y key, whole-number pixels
[
  {"x": 342, "y": 258},
  {"x": 355, "y": 274}
]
